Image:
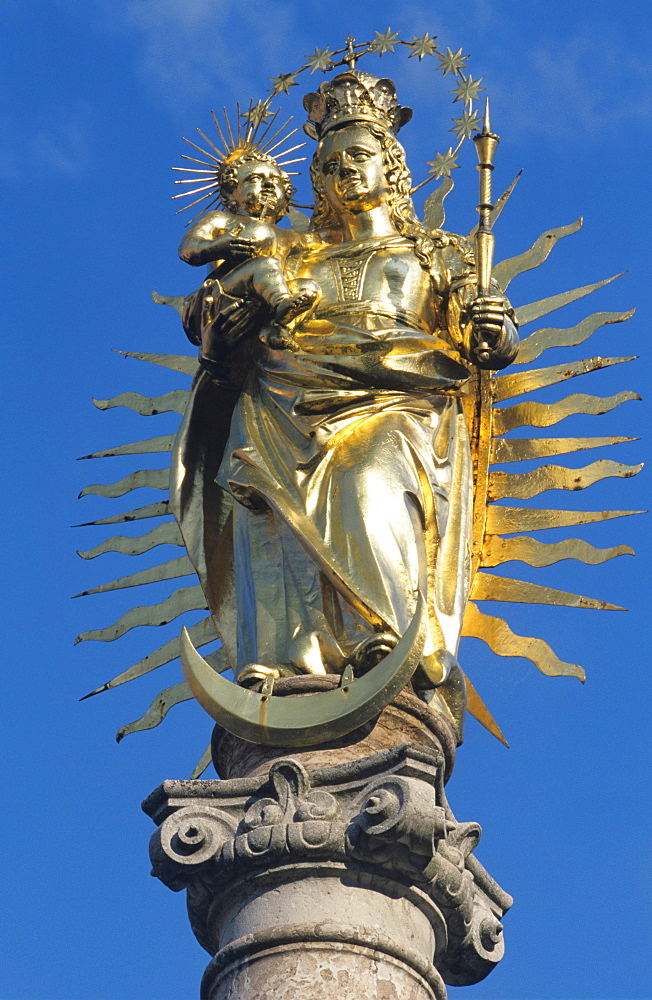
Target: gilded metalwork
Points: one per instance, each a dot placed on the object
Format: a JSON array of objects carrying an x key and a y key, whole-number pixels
[
  {"x": 221, "y": 162},
  {"x": 200, "y": 634},
  {"x": 477, "y": 708},
  {"x": 155, "y": 574},
  {"x": 533, "y": 346},
  {"x": 159, "y": 509},
  {"x": 162, "y": 534},
  {"x": 315, "y": 718},
  {"x": 535, "y": 310},
  {"x": 532, "y": 414},
  {"x": 525, "y": 449},
  {"x": 500, "y": 204},
  {"x": 333, "y": 471},
  {"x": 148, "y": 447},
  {"x": 505, "y": 272},
  {"x": 184, "y": 599},
  {"x": 152, "y": 479},
  {"x": 523, "y": 486},
  {"x": 487, "y": 587},
  {"x": 523, "y": 549},
  {"x": 482, "y": 424},
  {"x": 167, "y": 699},
  {"x": 505, "y": 520},
  {"x": 175, "y": 362},
  {"x": 157, "y": 711},
  {"x": 486, "y": 143},
  {"x": 499, "y": 637},
  {"x": 508, "y": 386},
  {"x": 201, "y": 764},
  {"x": 148, "y": 406},
  {"x": 433, "y": 206},
  {"x": 360, "y": 387}
]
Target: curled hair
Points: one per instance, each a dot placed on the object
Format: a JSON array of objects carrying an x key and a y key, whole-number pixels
[
  {"x": 399, "y": 202},
  {"x": 228, "y": 180}
]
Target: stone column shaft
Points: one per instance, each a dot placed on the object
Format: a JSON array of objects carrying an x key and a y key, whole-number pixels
[{"x": 350, "y": 879}]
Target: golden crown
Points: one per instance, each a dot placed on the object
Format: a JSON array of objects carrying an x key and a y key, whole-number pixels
[{"x": 351, "y": 97}]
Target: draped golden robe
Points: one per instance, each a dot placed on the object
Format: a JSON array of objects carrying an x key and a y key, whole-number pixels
[{"x": 318, "y": 500}]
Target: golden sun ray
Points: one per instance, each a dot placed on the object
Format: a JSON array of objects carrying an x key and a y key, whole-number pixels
[
  {"x": 204, "y": 152},
  {"x": 219, "y": 152},
  {"x": 219, "y": 130},
  {"x": 228, "y": 127}
]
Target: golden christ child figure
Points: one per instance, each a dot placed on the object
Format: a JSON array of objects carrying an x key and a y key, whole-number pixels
[{"x": 248, "y": 250}]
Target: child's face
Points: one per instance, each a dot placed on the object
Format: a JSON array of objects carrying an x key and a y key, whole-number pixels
[{"x": 260, "y": 192}]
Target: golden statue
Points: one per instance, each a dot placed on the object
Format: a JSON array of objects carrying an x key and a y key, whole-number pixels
[
  {"x": 347, "y": 471},
  {"x": 331, "y": 477}
]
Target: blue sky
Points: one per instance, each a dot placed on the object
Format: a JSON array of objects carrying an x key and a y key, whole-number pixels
[{"x": 96, "y": 95}]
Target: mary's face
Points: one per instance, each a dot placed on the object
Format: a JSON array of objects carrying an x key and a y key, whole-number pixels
[{"x": 353, "y": 170}]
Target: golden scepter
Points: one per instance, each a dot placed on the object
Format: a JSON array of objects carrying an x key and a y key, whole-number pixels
[{"x": 485, "y": 144}]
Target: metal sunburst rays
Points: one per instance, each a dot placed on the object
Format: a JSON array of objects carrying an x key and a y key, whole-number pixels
[
  {"x": 491, "y": 416},
  {"x": 249, "y": 136}
]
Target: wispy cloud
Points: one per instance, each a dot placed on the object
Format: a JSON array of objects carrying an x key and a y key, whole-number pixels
[
  {"x": 574, "y": 88},
  {"x": 61, "y": 143},
  {"x": 195, "y": 53},
  {"x": 53, "y": 140},
  {"x": 196, "y": 48},
  {"x": 564, "y": 86}
]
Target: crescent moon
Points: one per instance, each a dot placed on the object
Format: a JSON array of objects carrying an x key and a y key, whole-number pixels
[{"x": 313, "y": 718}]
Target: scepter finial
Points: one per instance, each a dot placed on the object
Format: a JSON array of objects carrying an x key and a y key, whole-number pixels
[
  {"x": 486, "y": 124},
  {"x": 351, "y": 57},
  {"x": 485, "y": 145}
]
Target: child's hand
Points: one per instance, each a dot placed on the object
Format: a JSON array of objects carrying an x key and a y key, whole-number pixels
[{"x": 242, "y": 248}]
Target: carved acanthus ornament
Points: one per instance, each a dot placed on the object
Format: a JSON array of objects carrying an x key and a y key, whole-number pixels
[{"x": 385, "y": 817}]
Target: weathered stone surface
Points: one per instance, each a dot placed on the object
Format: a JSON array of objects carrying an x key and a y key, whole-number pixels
[
  {"x": 321, "y": 962},
  {"x": 406, "y": 720},
  {"x": 354, "y": 876}
]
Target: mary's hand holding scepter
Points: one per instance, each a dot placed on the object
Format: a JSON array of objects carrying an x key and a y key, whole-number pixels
[{"x": 487, "y": 310}]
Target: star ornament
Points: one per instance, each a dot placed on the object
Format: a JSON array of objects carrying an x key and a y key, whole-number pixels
[
  {"x": 422, "y": 46},
  {"x": 257, "y": 114},
  {"x": 465, "y": 126},
  {"x": 281, "y": 84},
  {"x": 320, "y": 59},
  {"x": 384, "y": 42},
  {"x": 452, "y": 62},
  {"x": 443, "y": 163},
  {"x": 467, "y": 89}
]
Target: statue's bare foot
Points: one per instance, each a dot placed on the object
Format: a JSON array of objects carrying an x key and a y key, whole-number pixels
[
  {"x": 370, "y": 652},
  {"x": 254, "y": 673},
  {"x": 435, "y": 669},
  {"x": 304, "y": 296},
  {"x": 279, "y": 338}
]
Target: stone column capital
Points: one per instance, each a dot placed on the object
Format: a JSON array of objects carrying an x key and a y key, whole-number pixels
[{"x": 381, "y": 822}]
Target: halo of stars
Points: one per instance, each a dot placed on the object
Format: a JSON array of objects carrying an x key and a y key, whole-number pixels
[
  {"x": 449, "y": 63},
  {"x": 252, "y": 126}
]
